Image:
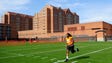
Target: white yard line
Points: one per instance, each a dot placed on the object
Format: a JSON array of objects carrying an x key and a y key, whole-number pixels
[
  {"x": 27, "y": 49},
  {"x": 56, "y": 58},
  {"x": 22, "y": 49},
  {"x": 18, "y": 55},
  {"x": 58, "y": 61}
]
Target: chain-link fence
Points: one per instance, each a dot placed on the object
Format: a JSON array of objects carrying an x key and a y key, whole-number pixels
[{"x": 62, "y": 39}]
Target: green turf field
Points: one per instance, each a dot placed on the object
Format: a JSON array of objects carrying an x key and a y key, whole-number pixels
[{"x": 90, "y": 52}]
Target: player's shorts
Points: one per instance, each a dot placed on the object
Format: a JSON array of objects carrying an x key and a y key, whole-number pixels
[{"x": 71, "y": 48}]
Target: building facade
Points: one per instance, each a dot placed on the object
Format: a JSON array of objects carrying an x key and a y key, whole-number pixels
[
  {"x": 18, "y": 22},
  {"x": 56, "y": 22},
  {"x": 97, "y": 31},
  {"x": 5, "y": 32},
  {"x": 52, "y": 22},
  {"x": 100, "y": 31},
  {"x": 52, "y": 19}
]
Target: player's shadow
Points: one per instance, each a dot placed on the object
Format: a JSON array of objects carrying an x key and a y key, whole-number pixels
[{"x": 81, "y": 57}]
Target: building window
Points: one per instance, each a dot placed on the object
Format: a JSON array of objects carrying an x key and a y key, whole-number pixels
[
  {"x": 1, "y": 27},
  {"x": 0, "y": 31},
  {"x": 72, "y": 28},
  {"x": 82, "y": 27},
  {"x": 60, "y": 13},
  {"x": 95, "y": 28},
  {"x": 110, "y": 29},
  {"x": 8, "y": 28},
  {"x": 1, "y": 35},
  {"x": 105, "y": 28},
  {"x": 12, "y": 18}
]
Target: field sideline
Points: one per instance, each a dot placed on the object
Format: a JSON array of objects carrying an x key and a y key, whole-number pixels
[{"x": 90, "y": 52}]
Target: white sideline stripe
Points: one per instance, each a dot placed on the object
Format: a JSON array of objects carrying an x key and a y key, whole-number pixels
[
  {"x": 22, "y": 49},
  {"x": 56, "y": 58},
  {"x": 30, "y": 54},
  {"x": 18, "y": 55},
  {"x": 58, "y": 61},
  {"x": 28, "y": 49},
  {"x": 31, "y": 49}
]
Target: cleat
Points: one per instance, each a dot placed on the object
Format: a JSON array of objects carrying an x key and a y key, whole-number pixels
[
  {"x": 66, "y": 60},
  {"x": 77, "y": 49}
]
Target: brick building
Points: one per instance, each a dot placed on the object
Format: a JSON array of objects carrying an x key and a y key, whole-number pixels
[
  {"x": 5, "y": 31},
  {"x": 52, "y": 19},
  {"x": 96, "y": 31},
  {"x": 54, "y": 22},
  {"x": 99, "y": 31},
  {"x": 18, "y": 22}
]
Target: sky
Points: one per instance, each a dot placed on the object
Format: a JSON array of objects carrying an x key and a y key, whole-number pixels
[{"x": 88, "y": 10}]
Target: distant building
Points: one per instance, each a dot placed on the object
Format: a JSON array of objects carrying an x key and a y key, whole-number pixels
[
  {"x": 5, "y": 31},
  {"x": 52, "y": 19},
  {"x": 96, "y": 31},
  {"x": 100, "y": 31},
  {"x": 18, "y": 22},
  {"x": 52, "y": 22}
]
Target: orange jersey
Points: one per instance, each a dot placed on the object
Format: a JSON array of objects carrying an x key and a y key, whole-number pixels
[{"x": 69, "y": 41}]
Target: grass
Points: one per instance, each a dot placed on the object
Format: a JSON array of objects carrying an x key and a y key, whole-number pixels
[{"x": 54, "y": 52}]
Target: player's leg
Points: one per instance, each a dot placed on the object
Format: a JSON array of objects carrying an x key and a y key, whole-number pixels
[
  {"x": 72, "y": 49},
  {"x": 67, "y": 54}
]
